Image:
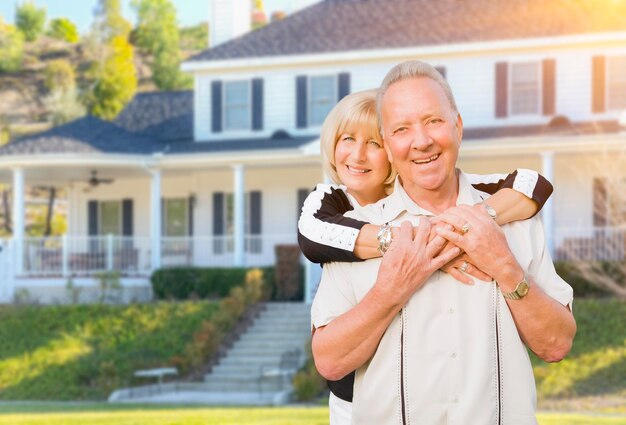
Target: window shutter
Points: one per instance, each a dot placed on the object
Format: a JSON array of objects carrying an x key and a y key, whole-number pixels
[
  {"x": 216, "y": 106},
  {"x": 441, "y": 70},
  {"x": 127, "y": 217},
  {"x": 257, "y": 104},
  {"x": 502, "y": 74},
  {"x": 343, "y": 88},
  {"x": 598, "y": 85},
  {"x": 255, "y": 212},
  {"x": 92, "y": 217},
  {"x": 190, "y": 205},
  {"x": 301, "y": 101},
  {"x": 600, "y": 203},
  {"x": 549, "y": 86},
  {"x": 302, "y": 194},
  {"x": 218, "y": 213}
]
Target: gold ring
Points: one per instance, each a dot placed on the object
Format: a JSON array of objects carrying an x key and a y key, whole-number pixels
[
  {"x": 466, "y": 228},
  {"x": 464, "y": 266}
]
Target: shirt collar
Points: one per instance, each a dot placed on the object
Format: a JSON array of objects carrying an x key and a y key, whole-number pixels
[{"x": 400, "y": 201}]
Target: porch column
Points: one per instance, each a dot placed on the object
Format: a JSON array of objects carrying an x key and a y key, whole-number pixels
[
  {"x": 239, "y": 188},
  {"x": 155, "y": 218},
  {"x": 547, "y": 159},
  {"x": 18, "y": 219}
]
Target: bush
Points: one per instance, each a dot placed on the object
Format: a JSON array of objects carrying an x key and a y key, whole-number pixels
[
  {"x": 63, "y": 29},
  {"x": 30, "y": 20},
  {"x": 11, "y": 48},
  {"x": 582, "y": 287},
  {"x": 182, "y": 283},
  {"x": 308, "y": 383},
  {"x": 59, "y": 75}
]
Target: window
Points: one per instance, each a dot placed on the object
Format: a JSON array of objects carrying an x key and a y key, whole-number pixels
[
  {"x": 323, "y": 96},
  {"x": 110, "y": 218},
  {"x": 237, "y": 105},
  {"x": 616, "y": 82},
  {"x": 253, "y": 239},
  {"x": 176, "y": 217},
  {"x": 525, "y": 88}
]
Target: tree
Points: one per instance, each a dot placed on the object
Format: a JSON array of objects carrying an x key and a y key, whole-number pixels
[
  {"x": 59, "y": 75},
  {"x": 597, "y": 255},
  {"x": 109, "y": 22},
  {"x": 30, "y": 20},
  {"x": 115, "y": 80},
  {"x": 195, "y": 37},
  {"x": 64, "y": 29},
  {"x": 11, "y": 48},
  {"x": 157, "y": 34},
  {"x": 64, "y": 105}
]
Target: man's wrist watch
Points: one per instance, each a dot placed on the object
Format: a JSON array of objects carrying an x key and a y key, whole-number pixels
[
  {"x": 492, "y": 213},
  {"x": 521, "y": 290}
]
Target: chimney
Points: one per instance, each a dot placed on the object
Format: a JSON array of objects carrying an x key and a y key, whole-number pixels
[{"x": 229, "y": 19}]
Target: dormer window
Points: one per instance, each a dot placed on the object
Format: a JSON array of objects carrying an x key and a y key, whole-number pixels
[
  {"x": 237, "y": 105},
  {"x": 323, "y": 96},
  {"x": 616, "y": 78},
  {"x": 525, "y": 88}
]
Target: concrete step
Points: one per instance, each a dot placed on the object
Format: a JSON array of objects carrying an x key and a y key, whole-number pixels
[{"x": 229, "y": 386}]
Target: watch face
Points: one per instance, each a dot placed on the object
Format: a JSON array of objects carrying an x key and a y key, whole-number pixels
[{"x": 523, "y": 289}]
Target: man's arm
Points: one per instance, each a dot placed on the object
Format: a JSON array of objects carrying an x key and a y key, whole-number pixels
[
  {"x": 544, "y": 324},
  {"x": 348, "y": 341}
]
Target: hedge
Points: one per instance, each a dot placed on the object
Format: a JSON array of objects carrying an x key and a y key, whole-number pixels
[{"x": 181, "y": 283}]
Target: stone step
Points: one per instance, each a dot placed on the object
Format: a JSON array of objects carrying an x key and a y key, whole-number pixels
[{"x": 249, "y": 386}]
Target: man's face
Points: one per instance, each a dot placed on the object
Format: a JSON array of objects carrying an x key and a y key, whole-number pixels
[{"x": 422, "y": 133}]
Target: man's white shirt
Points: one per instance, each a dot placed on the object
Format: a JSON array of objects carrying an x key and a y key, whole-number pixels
[{"x": 453, "y": 354}]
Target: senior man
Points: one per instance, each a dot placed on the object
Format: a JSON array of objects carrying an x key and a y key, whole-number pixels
[{"x": 427, "y": 349}]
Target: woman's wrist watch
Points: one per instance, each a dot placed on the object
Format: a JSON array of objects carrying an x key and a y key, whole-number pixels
[
  {"x": 384, "y": 238},
  {"x": 492, "y": 213}
]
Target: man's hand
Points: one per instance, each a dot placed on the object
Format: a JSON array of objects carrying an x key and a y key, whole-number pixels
[{"x": 410, "y": 261}]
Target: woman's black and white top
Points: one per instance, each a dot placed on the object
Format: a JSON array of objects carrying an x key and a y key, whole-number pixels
[{"x": 325, "y": 235}]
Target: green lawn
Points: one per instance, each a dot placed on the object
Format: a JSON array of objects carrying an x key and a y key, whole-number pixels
[{"x": 103, "y": 414}]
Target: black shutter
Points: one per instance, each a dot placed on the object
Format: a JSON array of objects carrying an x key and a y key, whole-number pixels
[
  {"x": 598, "y": 85},
  {"x": 255, "y": 212},
  {"x": 600, "y": 203},
  {"x": 127, "y": 217},
  {"x": 216, "y": 106},
  {"x": 257, "y": 104},
  {"x": 190, "y": 204},
  {"x": 302, "y": 195},
  {"x": 549, "y": 86},
  {"x": 343, "y": 88},
  {"x": 218, "y": 213},
  {"x": 92, "y": 217},
  {"x": 441, "y": 70},
  {"x": 301, "y": 101},
  {"x": 502, "y": 87}
]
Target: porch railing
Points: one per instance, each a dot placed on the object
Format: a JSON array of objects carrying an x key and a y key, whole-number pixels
[
  {"x": 88, "y": 255},
  {"x": 590, "y": 243}
]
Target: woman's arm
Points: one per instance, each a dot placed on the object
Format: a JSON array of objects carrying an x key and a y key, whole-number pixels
[{"x": 324, "y": 233}]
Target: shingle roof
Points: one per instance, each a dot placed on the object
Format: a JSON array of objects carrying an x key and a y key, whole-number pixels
[
  {"x": 85, "y": 135},
  {"x": 343, "y": 25},
  {"x": 160, "y": 115}
]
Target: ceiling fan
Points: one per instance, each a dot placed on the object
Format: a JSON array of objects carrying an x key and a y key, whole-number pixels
[{"x": 94, "y": 180}]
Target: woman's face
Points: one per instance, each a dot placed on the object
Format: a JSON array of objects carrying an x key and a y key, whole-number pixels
[{"x": 362, "y": 165}]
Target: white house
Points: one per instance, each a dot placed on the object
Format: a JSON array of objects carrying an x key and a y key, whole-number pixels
[{"x": 215, "y": 177}]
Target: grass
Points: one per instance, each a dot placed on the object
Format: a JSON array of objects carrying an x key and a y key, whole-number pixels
[{"x": 105, "y": 414}]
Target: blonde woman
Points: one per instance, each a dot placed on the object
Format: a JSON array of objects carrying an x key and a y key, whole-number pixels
[{"x": 354, "y": 158}]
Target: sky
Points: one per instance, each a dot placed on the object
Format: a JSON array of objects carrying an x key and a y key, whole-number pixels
[{"x": 189, "y": 12}]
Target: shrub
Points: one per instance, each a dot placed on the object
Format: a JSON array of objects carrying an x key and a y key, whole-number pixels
[
  {"x": 11, "y": 48},
  {"x": 195, "y": 282},
  {"x": 570, "y": 272},
  {"x": 308, "y": 383},
  {"x": 64, "y": 29},
  {"x": 30, "y": 20},
  {"x": 59, "y": 75}
]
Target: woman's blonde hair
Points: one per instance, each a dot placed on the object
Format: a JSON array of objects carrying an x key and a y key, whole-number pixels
[{"x": 355, "y": 111}]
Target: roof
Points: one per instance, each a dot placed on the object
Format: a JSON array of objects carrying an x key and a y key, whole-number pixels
[
  {"x": 345, "y": 25},
  {"x": 160, "y": 115},
  {"x": 84, "y": 135}
]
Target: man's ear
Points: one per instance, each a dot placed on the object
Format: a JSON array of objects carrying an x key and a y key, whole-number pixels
[{"x": 459, "y": 127}]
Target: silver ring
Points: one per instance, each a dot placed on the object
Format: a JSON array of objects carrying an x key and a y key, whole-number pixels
[
  {"x": 466, "y": 228},
  {"x": 464, "y": 266}
]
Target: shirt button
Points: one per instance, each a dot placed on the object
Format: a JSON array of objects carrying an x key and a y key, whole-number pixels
[
  {"x": 453, "y": 355},
  {"x": 455, "y": 400},
  {"x": 451, "y": 311}
]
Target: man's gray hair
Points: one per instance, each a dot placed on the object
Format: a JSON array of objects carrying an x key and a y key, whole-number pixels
[{"x": 407, "y": 70}]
